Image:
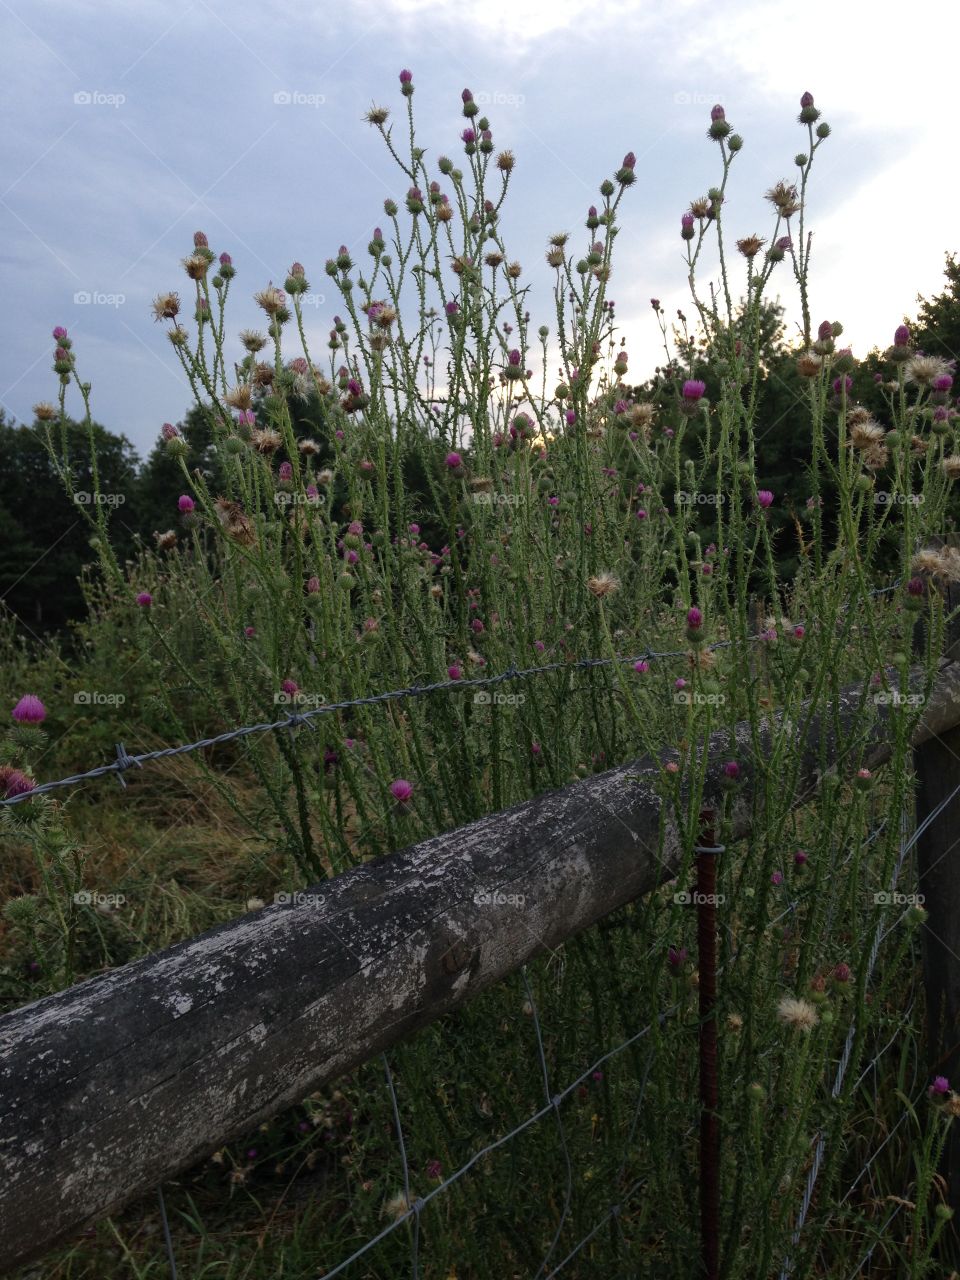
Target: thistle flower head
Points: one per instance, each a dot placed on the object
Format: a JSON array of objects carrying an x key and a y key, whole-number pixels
[
  {"x": 29, "y": 710},
  {"x": 798, "y": 1014}
]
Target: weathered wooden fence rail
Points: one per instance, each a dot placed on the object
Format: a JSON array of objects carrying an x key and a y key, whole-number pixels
[{"x": 114, "y": 1085}]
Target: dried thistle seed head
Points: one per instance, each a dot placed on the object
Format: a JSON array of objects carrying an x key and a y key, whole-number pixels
[
  {"x": 560, "y": 239},
  {"x": 308, "y": 447},
  {"x": 263, "y": 375},
  {"x": 239, "y": 397},
  {"x": 603, "y": 584},
  {"x": 44, "y": 411},
  {"x": 377, "y": 115},
  {"x": 951, "y": 466},
  {"x": 798, "y": 1014},
  {"x": 700, "y": 208},
  {"x": 166, "y": 306},
  {"x": 272, "y": 300},
  {"x": 809, "y": 364},
  {"x": 939, "y": 563},
  {"x": 252, "y": 340},
  {"x": 924, "y": 369},
  {"x": 494, "y": 259},
  {"x": 513, "y": 270},
  {"x": 866, "y": 435},
  {"x": 783, "y": 196},
  {"x": 506, "y": 161},
  {"x": 876, "y": 457},
  {"x": 266, "y": 440},
  {"x": 196, "y": 266},
  {"x": 166, "y": 540},
  {"x": 919, "y": 446},
  {"x": 234, "y": 521},
  {"x": 858, "y": 413},
  {"x": 750, "y": 246},
  {"x": 555, "y": 257}
]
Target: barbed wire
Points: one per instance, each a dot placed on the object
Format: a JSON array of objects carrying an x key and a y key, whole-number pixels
[{"x": 126, "y": 761}]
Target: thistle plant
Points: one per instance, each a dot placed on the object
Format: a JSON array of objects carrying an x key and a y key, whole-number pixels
[{"x": 449, "y": 491}]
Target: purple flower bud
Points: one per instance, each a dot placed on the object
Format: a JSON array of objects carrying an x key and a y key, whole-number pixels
[
  {"x": 185, "y": 503},
  {"x": 629, "y": 161},
  {"x": 943, "y": 383},
  {"x": 29, "y": 710},
  {"x": 806, "y": 100},
  {"x": 514, "y": 357},
  {"x": 764, "y": 498},
  {"x": 940, "y": 1087},
  {"x": 468, "y": 136},
  {"x": 406, "y": 76},
  {"x": 453, "y": 460},
  {"x": 401, "y": 790},
  {"x": 731, "y": 769},
  {"x": 901, "y": 337},
  {"x": 59, "y": 333},
  {"x": 825, "y": 331},
  {"x": 144, "y": 599},
  {"x": 227, "y": 261},
  {"x": 693, "y": 389},
  {"x": 286, "y": 471},
  {"x": 717, "y": 113},
  {"x": 466, "y": 96},
  {"x": 694, "y": 618},
  {"x": 169, "y": 431}
]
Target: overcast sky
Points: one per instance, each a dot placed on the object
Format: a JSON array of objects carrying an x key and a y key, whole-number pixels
[{"x": 131, "y": 125}]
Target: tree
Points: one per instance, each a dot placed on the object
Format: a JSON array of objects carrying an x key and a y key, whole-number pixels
[{"x": 44, "y": 535}]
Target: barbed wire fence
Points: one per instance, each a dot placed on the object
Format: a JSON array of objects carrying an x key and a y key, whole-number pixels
[
  {"x": 295, "y": 720},
  {"x": 621, "y": 1195}
]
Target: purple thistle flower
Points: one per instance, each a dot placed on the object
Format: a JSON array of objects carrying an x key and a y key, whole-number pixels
[
  {"x": 406, "y": 76},
  {"x": 59, "y": 333},
  {"x": 777, "y": 877},
  {"x": 677, "y": 957},
  {"x": 289, "y": 687},
  {"x": 468, "y": 136},
  {"x": 844, "y": 384},
  {"x": 454, "y": 672},
  {"x": 901, "y": 337},
  {"x": 731, "y": 770},
  {"x": 185, "y": 503},
  {"x": 641, "y": 666},
  {"x": 14, "y": 782},
  {"x": 694, "y": 618},
  {"x": 401, "y": 790},
  {"x": 453, "y": 460},
  {"x": 693, "y": 389},
  {"x": 806, "y": 100},
  {"x": 943, "y": 383},
  {"x": 940, "y": 1087},
  {"x": 825, "y": 331},
  {"x": 144, "y": 599},
  {"x": 29, "y": 710},
  {"x": 717, "y": 113},
  {"x": 764, "y": 498}
]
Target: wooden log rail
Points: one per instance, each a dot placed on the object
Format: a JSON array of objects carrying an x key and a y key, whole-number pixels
[{"x": 111, "y": 1087}]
